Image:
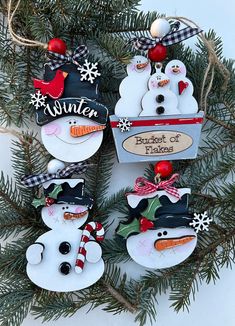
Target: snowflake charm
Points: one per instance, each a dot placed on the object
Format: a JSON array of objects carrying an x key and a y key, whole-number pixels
[
  {"x": 37, "y": 100},
  {"x": 201, "y": 222},
  {"x": 89, "y": 71},
  {"x": 124, "y": 124}
]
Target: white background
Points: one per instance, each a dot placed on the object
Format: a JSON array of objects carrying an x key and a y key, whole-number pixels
[{"x": 214, "y": 305}]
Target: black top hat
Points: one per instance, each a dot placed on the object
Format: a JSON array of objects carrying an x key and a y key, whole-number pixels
[
  {"x": 169, "y": 215},
  {"x": 79, "y": 98},
  {"x": 72, "y": 195}
]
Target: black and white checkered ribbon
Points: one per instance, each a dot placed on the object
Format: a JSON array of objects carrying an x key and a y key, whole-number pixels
[
  {"x": 176, "y": 36},
  {"x": 57, "y": 60},
  {"x": 35, "y": 180}
]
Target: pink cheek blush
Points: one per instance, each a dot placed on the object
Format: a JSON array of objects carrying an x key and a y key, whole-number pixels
[
  {"x": 154, "y": 84},
  {"x": 78, "y": 210},
  {"x": 183, "y": 71},
  {"x": 132, "y": 67},
  {"x": 144, "y": 247},
  {"x": 168, "y": 71},
  {"x": 50, "y": 211},
  {"x": 51, "y": 129}
]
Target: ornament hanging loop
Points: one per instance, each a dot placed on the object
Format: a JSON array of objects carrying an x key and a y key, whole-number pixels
[
  {"x": 157, "y": 178},
  {"x": 17, "y": 38}
]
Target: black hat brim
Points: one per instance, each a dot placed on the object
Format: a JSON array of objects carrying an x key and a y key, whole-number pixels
[
  {"x": 173, "y": 220},
  {"x": 84, "y": 201},
  {"x": 81, "y": 107}
]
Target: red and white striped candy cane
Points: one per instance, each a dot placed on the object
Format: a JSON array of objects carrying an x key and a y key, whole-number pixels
[{"x": 89, "y": 228}]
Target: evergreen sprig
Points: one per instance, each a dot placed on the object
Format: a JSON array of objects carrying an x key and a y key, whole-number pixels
[{"x": 106, "y": 26}]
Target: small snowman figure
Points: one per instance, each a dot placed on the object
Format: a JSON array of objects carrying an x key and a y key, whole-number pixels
[
  {"x": 181, "y": 86},
  {"x": 66, "y": 258},
  {"x": 133, "y": 87},
  {"x": 159, "y": 100}
]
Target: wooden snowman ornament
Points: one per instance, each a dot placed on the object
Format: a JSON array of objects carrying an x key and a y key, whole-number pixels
[
  {"x": 133, "y": 87},
  {"x": 160, "y": 232},
  {"x": 159, "y": 100},
  {"x": 65, "y": 258},
  {"x": 67, "y": 106}
]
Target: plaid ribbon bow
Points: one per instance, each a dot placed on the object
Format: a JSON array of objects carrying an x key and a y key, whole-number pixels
[
  {"x": 57, "y": 60},
  {"x": 175, "y": 36},
  {"x": 145, "y": 187},
  {"x": 35, "y": 180}
]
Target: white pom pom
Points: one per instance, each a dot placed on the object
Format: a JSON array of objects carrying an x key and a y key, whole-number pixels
[
  {"x": 54, "y": 166},
  {"x": 160, "y": 27}
]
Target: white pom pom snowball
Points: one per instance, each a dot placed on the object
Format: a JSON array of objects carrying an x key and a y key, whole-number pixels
[
  {"x": 55, "y": 165},
  {"x": 160, "y": 27}
]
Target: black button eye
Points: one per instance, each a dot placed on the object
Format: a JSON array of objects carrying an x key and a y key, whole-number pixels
[
  {"x": 65, "y": 268},
  {"x": 64, "y": 248},
  {"x": 70, "y": 122},
  {"x": 67, "y": 207},
  {"x": 165, "y": 233},
  {"x": 75, "y": 122},
  {"x": 159, "y": 234},
  {"x": 63, "y": 207}
]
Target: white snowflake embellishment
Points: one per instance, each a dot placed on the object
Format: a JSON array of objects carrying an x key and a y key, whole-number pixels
[
  {"x": 37, "y": 100},
  {"x": 201, "y": 222},
  {"x": 89, "y": 71},
  {"x": 124, "y": 124}
]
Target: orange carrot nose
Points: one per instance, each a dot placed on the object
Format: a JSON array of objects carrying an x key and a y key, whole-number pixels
[
  {"x": 78, "y": 131},
  {"x": 163, "y": 82},
  {"x": 141, "y": 65},
  {"x": 163, "y": 244}
]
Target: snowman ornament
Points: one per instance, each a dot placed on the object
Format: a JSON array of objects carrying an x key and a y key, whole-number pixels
[
  {"x": 133, "y": 87},
  {"x": 168, "y": 240},
  {"x": 181, "y": 86},
  {"x": 160, "y": 232},
  {"x": 66, "y": 258},
  {"x": 68, "y": 109},
  {"x": 159, "y": 99}
]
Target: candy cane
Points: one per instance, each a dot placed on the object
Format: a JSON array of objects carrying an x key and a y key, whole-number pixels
[{"x": 89, "y": 228}]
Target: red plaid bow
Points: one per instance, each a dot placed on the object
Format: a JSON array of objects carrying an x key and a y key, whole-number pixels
[{"x": 145, "y": 187}]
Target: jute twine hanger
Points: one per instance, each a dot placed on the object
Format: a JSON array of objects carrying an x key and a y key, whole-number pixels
[
  {"x": 17, "y": 38},
  {"x": 213, "y": 62}
]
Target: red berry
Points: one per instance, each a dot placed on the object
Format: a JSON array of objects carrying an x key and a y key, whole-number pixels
[
  {"x": 158, "y": 53},
  {"x": 164, "y": 168},
  {"x": 49, "y": 201},
  {"x": 57, "y": 45}
]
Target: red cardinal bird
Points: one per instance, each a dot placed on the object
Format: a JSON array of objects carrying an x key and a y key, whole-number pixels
[{"x": 53, "y": 88}]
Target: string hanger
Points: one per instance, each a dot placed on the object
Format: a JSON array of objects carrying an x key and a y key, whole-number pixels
[
  {"x": 17, "y": 38},
  {"x": 213, "y": 61}
]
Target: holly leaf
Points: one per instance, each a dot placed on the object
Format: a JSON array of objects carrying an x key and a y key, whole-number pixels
[
  {"x": 153, "y": 205},
  {"x": 124, "y": 230},
  {"x": 57, "y": 189},
  {"x": 37, "y": 202}
]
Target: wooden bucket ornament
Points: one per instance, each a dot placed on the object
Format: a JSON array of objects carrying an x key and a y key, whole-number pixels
[{"x": 157, "y": 116}]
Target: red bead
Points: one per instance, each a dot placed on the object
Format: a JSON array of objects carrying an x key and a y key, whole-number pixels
[
  {"x": 164, "y": 168},
  {"x": 57, "y": 45},
  {"x": 158, "y": 53}
]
